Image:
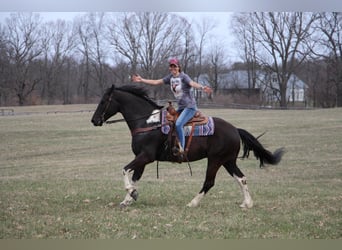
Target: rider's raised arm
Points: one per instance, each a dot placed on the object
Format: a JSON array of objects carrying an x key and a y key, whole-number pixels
[{"x": 138, "y": 78}]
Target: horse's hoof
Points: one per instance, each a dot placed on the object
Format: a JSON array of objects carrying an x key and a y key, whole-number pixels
[
  {"x": 243, "y": 206},
  {"x": 134, "y": 194},
  {"x": 122, "y": 205},
  {"x": 192, "y": 204},
  {"x": 246, "y": 205}
]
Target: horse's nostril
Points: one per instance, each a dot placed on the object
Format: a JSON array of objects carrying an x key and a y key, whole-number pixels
[{"x": 96, "y": 123}]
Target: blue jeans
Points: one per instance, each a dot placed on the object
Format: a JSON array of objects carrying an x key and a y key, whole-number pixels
[{"x": 183, "y": 118}]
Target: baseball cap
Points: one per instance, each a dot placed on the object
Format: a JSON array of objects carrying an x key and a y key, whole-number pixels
[{"x": 174, "y": 61}]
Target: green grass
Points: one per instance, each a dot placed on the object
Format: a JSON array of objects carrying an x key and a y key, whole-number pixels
[{"x": 61, "y": 178}]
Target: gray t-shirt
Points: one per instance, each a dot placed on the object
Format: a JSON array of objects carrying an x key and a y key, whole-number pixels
[{"x": 180, "y": 87}]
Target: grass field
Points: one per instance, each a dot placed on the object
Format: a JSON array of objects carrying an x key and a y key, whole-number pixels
[{"x": 61, "y": 178}]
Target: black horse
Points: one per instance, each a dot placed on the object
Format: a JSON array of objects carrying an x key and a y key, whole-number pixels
[{"x": 150, "y": 144}]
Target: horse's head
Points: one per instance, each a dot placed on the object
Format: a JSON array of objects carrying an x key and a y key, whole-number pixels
[{"x": 107, "y": 107}]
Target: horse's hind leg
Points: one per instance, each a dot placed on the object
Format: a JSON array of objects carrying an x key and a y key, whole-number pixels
[
  {"x": 235, "y": 172},
  {"x": 209, "y": 182}
]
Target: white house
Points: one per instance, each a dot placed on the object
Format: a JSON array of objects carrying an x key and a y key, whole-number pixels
[{"x": 296, "y": 89}]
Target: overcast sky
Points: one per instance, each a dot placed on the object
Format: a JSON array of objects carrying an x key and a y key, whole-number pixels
[
  {"x": 174, "y": 5},
  {"x": 193, "y": 9},
  {"x": 220, "y": 33}
]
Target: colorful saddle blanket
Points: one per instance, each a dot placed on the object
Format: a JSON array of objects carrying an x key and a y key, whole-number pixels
[{"x": 199, "y": 130}]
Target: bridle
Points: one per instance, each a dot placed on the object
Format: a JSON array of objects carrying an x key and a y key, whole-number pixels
[{"x": 107, "y": 105}]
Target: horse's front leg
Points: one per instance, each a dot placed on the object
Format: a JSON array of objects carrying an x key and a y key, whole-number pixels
[
  {"x": 137, "y": 166},
  {"x": 132, "y": 193}
]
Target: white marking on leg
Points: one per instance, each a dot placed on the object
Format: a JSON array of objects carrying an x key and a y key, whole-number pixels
[
  {"x": 130, "y": 187},
  {"x": 155, "y": 117},
  {"x": 195, "y": 201},
  {"x": 247, "y": 200}
]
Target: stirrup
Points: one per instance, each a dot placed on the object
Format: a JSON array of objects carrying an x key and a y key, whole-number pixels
[
  {"x": 179, "y": 154},
  {"x": 181, "y": 157},
  {"x": 178, "y": 150}
]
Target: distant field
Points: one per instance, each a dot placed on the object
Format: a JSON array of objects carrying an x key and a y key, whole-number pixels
[{"x": 61, "y": 178}]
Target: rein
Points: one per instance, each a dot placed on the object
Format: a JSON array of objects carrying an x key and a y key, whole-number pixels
[
  {"x": 139, "y": 130},
  {"x": 115, "y": 121},
  {"x": 137, "y": 119},
  {"x": 119, "y": 120},
  {"x": 122, "y": 120}
]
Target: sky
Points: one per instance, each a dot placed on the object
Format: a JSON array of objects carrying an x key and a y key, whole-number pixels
[
  {"x": 221, "y": 32},
  {"x": 220, "y": 10},
  {"x": 174, "y": 5},
  {"x": 222, "y": 18}
]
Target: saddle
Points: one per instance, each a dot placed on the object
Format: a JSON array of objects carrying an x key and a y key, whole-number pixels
[{"x": 198, "y": 118}]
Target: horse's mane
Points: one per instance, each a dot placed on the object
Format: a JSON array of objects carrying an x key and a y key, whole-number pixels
[{"x": 140, "y": 92}]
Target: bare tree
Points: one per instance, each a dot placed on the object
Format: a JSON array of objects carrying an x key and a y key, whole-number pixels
[
  {"x": 203, "y": 28},
  {"x": 216, "y": 60},
  {"x": 5, "y": 77},
  {"x": 125, "y": 33},
  {"x": 246, "y": 41},
  {"x": 84, "y": 48},
  {"x": 23, "y": 38},
  {"x": 321, "y": 91},
  {"x": 330, "y": 49},
  {"x": 187, "y": 49},
  {"x": 282, "y": 43},
  {"x": 98, "y": 49},
  {"x": 58, "y": 45},
  {"x": 146, "y": 39}
]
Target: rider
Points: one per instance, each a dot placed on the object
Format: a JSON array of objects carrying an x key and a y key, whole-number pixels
[{"x": 181, "y": 85}]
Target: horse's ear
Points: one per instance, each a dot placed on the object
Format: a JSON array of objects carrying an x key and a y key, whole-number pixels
[{"x": 113, "y": 87}]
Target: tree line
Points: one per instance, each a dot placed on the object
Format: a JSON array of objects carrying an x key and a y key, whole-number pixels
[
  {"x": 305, "y": 44},
  {"x": 63, "y": 62}
]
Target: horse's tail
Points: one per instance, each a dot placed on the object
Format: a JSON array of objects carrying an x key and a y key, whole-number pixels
[{"x": 250, "y": 143}]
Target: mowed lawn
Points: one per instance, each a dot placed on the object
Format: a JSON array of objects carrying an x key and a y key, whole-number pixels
[{"x": 62, "y": 178}]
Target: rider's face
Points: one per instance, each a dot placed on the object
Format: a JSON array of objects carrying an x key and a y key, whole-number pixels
[{"x": 174, "y": 69}]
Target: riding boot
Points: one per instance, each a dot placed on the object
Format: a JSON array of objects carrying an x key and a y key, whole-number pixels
[{"x": 179, "y": 153}]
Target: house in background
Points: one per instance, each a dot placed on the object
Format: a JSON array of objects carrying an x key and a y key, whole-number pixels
[
  {"x": 296, "y": 91},
  {"x": 235, "y": 87},
  {"x": 261, "y": 89}
]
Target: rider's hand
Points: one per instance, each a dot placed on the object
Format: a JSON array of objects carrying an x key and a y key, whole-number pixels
[
  {"x": 136, "y": 78},
  {"x": 207, "y": 90}
]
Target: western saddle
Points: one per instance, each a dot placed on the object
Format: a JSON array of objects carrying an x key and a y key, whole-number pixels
[{"x": 198, "y": 118}]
